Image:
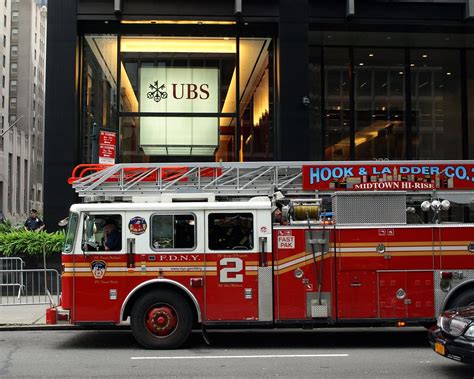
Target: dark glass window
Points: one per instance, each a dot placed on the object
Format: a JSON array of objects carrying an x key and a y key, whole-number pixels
[
  {"x": 337, "y": 117},
  {"x": 230, "y": 231},
  {"x": 315, "y": 103},
  {"x": 470, "y": 99},
  {"x": 379, "y": 103},
  {"x": 173, "y": 232},
  {"x": 436, "y": 104}
]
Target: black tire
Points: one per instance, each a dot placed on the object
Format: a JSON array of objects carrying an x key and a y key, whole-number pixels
[
  {"x": 160, "y": 298},
  {"x": 463, "y": 299}
]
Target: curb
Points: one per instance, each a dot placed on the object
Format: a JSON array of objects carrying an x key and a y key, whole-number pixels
[{"x": 18, "y": 327}]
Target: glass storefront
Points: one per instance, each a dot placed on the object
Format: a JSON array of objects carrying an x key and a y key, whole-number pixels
[
  {"x": 180, "y": 98},
  {"x": 373, "y": 96}
]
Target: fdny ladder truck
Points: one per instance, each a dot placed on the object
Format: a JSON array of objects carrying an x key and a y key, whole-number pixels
[{"x": 171, "y": 247}]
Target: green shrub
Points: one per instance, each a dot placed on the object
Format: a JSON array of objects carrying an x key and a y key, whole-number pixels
[{"x": 30, "y": 243}]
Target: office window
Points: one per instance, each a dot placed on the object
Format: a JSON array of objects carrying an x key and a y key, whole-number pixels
[{"x": 14, "y": 68}]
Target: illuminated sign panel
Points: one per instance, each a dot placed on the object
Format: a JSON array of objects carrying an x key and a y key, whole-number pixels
[
  {"x": 401, "y": 177},
  {"x": 179, "y": 90}
]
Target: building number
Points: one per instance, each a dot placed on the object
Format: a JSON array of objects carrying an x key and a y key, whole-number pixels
[{"x": 230, "y": 274}]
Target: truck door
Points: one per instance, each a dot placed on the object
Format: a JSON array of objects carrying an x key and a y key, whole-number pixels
[
  {"x": 360, "y": 254},
  {"x": 406, "y": 288},
  {"x": 96, "y": 267},
  {"x": 238, "y": 266}
]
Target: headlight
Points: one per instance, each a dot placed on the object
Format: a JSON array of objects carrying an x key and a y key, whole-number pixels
[
  {"x": 469, "y": 332},
  {"x": 457, "y": 326},
  {"x": 453, "y": 324}
]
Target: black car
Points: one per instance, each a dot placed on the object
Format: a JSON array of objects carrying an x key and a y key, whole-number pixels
[{"x": 453, "y": 336}]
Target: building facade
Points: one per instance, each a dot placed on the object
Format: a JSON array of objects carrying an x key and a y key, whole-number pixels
[
  {"x": 255, "y": 80},
  {"x": 23, "y": 54}
]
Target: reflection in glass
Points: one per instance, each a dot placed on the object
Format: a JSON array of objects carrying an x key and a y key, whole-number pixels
[
  {"x": 379, "y": 104},
  {"x": 315, "y": 126},
  {"x": 436, "y": 104},
  {"x": 470, "y": 99},
  {"x": 337, "y": 88},
  {"x": 100, "y": 91}
]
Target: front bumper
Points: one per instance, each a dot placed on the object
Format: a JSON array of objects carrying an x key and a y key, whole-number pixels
[{"x": 457, "y": 348}]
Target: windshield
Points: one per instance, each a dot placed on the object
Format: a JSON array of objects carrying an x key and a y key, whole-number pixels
[{"x": 71, "y": 232}]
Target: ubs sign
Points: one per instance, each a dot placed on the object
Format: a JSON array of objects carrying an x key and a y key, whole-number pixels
[{"x": 179, "y": 90}]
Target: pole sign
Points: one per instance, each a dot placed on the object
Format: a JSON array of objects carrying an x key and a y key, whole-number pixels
[
  {"x": 107, "y": 143},
  {"x": 389, "y": 177}
]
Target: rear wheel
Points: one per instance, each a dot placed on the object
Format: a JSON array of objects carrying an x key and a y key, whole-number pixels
[
  {"x": 463, "y": 299},
  {"x": 161, "y": 319}
]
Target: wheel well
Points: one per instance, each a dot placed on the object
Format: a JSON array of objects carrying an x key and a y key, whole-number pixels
[
  {"x": 468, "y": 286},
  {"x": 154, "y": 286}
]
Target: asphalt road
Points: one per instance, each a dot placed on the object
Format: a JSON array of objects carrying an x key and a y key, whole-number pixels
[{"x": 367, "y": 353}]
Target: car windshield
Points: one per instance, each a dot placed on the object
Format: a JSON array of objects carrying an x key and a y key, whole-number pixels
[{"x": 71, "y": 232}]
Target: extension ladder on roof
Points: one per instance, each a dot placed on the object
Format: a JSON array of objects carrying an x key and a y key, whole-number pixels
[{"x": 222, "y": 179}]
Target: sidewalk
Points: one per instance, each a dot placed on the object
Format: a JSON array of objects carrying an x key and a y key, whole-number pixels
[{"x": 24, "y": 317}]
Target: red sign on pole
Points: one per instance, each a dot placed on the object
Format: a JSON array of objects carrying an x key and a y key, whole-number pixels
[
  {"x": 107, "y": 142},
  {"x": 389, "y": 176}
]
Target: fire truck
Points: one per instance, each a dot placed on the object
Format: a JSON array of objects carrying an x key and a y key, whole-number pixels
[{"x": 172, "y": 247}]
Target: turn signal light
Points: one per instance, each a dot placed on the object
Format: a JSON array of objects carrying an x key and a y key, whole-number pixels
[
  {"x": 401, "y": 323},
  {"x": 446, "y": 275}
]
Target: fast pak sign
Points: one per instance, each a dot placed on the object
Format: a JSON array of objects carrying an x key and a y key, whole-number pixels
[
  {"x": 179, "y": 90},
  {"x": 388, "y": 176}
]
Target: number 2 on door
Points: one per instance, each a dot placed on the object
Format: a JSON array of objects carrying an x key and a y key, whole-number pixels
[{"x": 231, "y": 274}]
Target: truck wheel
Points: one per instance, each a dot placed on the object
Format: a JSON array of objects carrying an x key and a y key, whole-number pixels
[
  {"x": 464, "y": 299},
  {"x": 161, "y": 319}
]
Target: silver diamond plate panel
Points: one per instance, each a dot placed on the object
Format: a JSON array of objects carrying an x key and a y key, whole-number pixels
[
  {"x": 369, "y": 207},
  {"x": 312, "y": 297},
  {"x": 265, "y": 296},
  {"x": 440, "y": 295}
]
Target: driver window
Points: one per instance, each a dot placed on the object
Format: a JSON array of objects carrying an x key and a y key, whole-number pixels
[
  {"x": 230, "y": 231},
  {"x": 102, "y": 233}
]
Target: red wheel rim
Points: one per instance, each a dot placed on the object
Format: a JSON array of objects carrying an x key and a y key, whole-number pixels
[{"x": 161, "y": 320}]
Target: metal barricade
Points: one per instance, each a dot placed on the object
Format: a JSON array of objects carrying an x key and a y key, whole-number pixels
[
  {"x": 37, "y": 286},
  {"x": 11, "y": 276}
]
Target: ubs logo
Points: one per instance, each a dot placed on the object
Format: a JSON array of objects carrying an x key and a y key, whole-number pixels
[
  {"x": 188, "y": 91},
  {"x": 157, "y": 92}
]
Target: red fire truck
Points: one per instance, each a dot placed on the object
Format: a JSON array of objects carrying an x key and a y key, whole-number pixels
[{"x": 169, "y": 247}]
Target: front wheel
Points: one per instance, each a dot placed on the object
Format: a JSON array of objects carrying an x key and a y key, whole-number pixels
[{"x": 161, "y": 319}]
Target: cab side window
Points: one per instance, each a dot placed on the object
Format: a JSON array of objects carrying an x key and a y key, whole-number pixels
[
  {"x": 102, "y": 233},
  {"x": 173, "y": 231},
  {"x": 230, "y": 231}
]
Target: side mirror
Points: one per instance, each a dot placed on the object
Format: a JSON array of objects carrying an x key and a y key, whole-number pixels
[{"x": 63, "y": 222}]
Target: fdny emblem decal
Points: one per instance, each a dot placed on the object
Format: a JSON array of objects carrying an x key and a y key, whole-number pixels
[
  {"x": 98, "y": 269},
  {"x": 137, "y": 225}
]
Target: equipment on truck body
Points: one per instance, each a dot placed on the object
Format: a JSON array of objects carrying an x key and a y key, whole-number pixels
[{"x": 274, "y": 244}]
